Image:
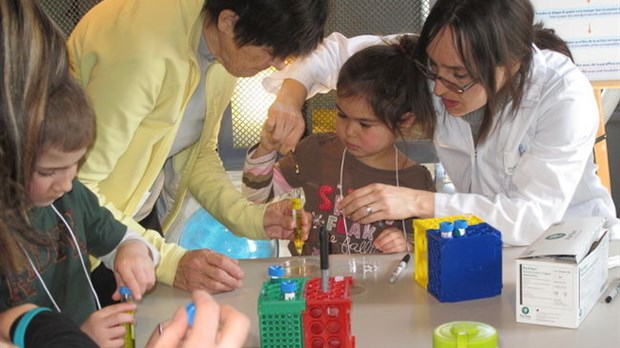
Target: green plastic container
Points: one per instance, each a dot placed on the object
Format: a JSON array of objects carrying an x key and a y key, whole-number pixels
[
  {"x": 280, "y": 320},
  {"x": 465, "y": 334}
]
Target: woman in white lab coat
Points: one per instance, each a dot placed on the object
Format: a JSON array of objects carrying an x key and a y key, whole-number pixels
[{"x": 515, "y": 124}]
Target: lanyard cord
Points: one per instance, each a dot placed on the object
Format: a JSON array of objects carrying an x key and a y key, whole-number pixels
[
  {"x": 49, "y": 295},
  {"x": 347, "y": 241}
]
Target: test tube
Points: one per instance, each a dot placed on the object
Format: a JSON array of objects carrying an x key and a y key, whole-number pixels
[
  {"x": 297, "y": 204},
  {"x": 129, "y": 338},
  {"x": 275, "y": 272},
  {"x": 446, "y": 228},
  {"x": 288, "y": 289},
  {"x": 460, "y": 227}
]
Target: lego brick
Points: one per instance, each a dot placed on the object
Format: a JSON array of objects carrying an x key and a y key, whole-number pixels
[
  {"x": 467, "y": 267},
  {"x": 327, "y": 318},
  {"x": 279, "y": 319},
  {"x": 420, "y": 256}
]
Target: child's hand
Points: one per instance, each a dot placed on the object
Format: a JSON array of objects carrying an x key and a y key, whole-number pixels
[
  {"x": 134, "y": 268},
  {"x": 391, "y": 240},
  {"x": 267, "y": 143},
  {"x": 285, "y": 119},
  {"x": 105, "y": 326}
]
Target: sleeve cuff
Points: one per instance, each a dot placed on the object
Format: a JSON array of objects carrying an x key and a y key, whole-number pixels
[{"x": 108, "y": 259}]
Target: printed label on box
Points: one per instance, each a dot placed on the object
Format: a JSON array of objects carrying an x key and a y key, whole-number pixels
[{"x": 547, "y": 286}]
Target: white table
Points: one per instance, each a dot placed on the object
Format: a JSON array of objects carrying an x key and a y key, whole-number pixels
[{"x": 404, "y": 314}]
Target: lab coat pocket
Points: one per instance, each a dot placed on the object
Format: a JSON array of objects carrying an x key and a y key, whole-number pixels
[{"x": 510, "y": 161}]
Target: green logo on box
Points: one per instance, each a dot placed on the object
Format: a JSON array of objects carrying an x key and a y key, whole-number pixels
[
  {"x": 555, "y": 236},
  {"x": 525, "y": 310}
]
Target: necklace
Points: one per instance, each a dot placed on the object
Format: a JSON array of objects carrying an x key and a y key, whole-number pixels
[
  {"x": 347, "y": 241},
  {"x": 77, "y": 247}
]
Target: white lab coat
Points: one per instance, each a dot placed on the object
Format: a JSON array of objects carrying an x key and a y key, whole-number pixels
[{"x": 534, "y": 169}]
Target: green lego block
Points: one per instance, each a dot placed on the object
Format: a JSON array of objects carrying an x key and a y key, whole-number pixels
[{"x": 280, "y": 320}]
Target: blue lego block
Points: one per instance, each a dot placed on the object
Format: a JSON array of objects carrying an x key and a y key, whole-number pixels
[{"x": 466, "y": 267}]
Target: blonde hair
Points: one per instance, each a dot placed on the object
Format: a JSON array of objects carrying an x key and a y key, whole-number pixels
[{"x": 34, "y": 64}]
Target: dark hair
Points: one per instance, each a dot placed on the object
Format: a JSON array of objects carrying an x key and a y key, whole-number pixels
[
  {"x": 383, "y": 75},
  {"x": 547, "y": 39},
  {"x": 69, "y": 124},
  {"x": 34, "y": 64},
  {"x": 488, "y": 34},
  {"x": 288, "y": 27}
]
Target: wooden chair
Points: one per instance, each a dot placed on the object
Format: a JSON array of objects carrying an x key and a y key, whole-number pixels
[{"x": 600, "y": 146}]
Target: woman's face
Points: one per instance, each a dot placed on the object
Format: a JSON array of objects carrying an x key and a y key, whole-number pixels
[
  {"x": 244, "y": 61},
  {"x": 444, "y": 61}
]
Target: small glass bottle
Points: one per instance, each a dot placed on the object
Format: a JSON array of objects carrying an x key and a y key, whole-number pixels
[
  {"x": 288, "y": 289},
  {"x": 129, "y": 338}
]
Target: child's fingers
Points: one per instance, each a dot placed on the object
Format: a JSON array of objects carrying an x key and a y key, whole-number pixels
[
  {"x": 290, "y": 141},
  {"x": 391, "y": 240},
  {"x": 144, "y": 275},
  {"x": 269, "y": 124},
  {"x": 116, "y": 296},
  {"x": 137, "y": 279}
]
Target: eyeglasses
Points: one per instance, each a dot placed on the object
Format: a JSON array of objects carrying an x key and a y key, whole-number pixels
[{"x": 429, "y": 74}]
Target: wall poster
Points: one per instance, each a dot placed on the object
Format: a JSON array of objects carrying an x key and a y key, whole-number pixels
[{"x": 592, "y": 30}]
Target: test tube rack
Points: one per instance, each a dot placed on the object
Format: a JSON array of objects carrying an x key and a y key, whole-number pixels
[
  {"x": 327, "y": 319},
  {"x": 279, "y": 319},
  {"x": 461, "y": 268},
  {"x": 420, "y": 256},
  {"x": 315, "y": 319}
]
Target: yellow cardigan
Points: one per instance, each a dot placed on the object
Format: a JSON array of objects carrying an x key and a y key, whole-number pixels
[{"x": 137, "y": 61}]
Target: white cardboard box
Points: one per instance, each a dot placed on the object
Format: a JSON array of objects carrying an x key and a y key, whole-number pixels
[{"x": 562, "y": 275}]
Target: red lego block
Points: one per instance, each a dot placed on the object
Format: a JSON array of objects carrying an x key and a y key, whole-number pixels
[{"x": 327, "y": 318}]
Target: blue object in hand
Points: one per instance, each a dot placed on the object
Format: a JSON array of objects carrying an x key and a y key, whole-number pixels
[{"x": 191, "y": 311}]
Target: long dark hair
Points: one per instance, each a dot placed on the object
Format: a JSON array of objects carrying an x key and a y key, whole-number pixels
[
  {"x": 34, "y": 63},
  {"x": 383, "y": 76},
  {"x": 489, "y": 34}
]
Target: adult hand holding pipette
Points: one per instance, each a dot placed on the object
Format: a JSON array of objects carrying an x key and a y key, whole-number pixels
[{"x": 280, "y": 223}]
